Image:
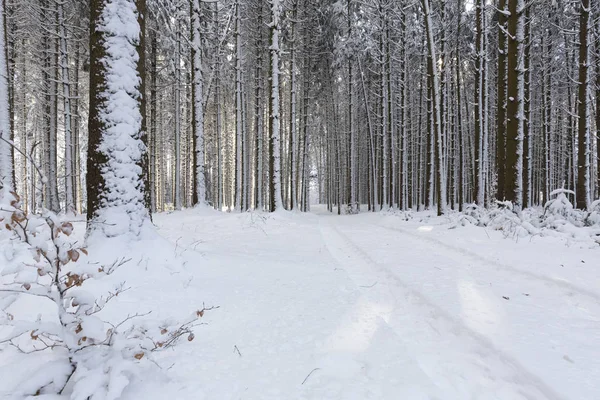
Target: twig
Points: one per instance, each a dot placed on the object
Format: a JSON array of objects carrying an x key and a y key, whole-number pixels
[
  {"x": 369, "y": 286},
  {"x": 236, "y": 350},
  {"x": 309, "y": 374}
]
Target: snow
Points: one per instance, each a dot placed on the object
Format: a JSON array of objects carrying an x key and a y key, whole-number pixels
[{"x": 368, "y": 306}]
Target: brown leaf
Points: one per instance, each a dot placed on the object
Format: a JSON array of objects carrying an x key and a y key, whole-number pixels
[
  {"x": 163, "y": 331},
  {"x": 84, "y": 251},
  {"x": 160, "y": 344},
  {"x": 139, "y": 356},
  {"x": 78, "y": 329},
  {"x": 33, "y": 335},
  {"x": 27, "y": 286},
  {"x": 200, "y": 313},
  {"x": 191, "y": 337},
  {"x": 73, "y": 255},
  {"x": 67, "y": 228}
]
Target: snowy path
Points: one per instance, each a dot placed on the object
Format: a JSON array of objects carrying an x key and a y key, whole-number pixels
[
  {"x": 502, "y": 328},
  {"x": 366, "y": 307}
]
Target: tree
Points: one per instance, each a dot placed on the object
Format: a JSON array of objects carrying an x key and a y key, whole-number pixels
[
  {"x": 583, "y": 145},
  {"x": 501, "y": 99},
  {"x": 199, "y": 192},
  {"x": 437, "y": 128},
  {"x": 514, "y": 110},
  {"x": 116, "y": 180},
  {"x": 276, "y": 200},
  {"x": 6, "y": 150}
]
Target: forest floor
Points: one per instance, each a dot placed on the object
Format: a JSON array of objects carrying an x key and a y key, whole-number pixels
[{"x": 368, "y": 306}]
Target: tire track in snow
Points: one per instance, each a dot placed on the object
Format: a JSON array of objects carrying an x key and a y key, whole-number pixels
[
  {"x": 453, "y": 355},
  {"x": 477, "y": 257}
]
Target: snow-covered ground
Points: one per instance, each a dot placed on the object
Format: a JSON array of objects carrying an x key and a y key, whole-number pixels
[{"x": 368, "y": 306}]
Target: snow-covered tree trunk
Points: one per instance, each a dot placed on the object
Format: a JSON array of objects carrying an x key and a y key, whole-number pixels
[
  {"x": 293, "y": 116},
  {"x": 478, "y": 188},
  {"x": 177, "y": 111},
  {"x": 501, "y": 99},
  {"x": 258, "y": 114},
  {"x": 527, "y": 113},
  {"x": 6, "y": 151},
  {"x": 597, "y": 39},
  {"x": 66, "y": 87},
  {"x": 583, "y": 145},
  {"x": 440, "y": 170},
  {"x": 115, "y": 178},
  {"x": 514, "y": 108},
  {"x": 238, "y": 109},
  {"x": 275, "y": 123},
  {"x": 199, "y": 193}
]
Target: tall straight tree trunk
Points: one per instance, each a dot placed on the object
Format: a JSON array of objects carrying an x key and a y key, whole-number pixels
[
  {"x": 177, "y": 114},
  {"x": 583, "y": 145},
  {"x": 116, "y": 181},
  {"x": 259, "y": 114},
  {"x": 75, "y": 118},
  {"x": 597, "y": 37},
  {"x": 238, "y": 109},
  {"x": 276, "y": 199},
  {"x": 459, "y": 121},
  {"x": 480, "y": 112},
  {"x": 153, "y": 139},
  {"x": 440, "y": 172},
  {"x": 7, "y": 185},
  {"x": 501, "y": 100},
  {"x": 514, "y": 110},
  {"x": 219, "y": 159},
  {"x": 66, "y": 87},
  {"x": 199, "y": 185},
  {"x": 293, "y": 126},
  {"x": 527, "y": 111}
]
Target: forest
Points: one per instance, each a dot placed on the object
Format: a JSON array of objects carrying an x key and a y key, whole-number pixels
[
  {"x": 145, "y": 144},
  {"x": 255, "y": 105}
]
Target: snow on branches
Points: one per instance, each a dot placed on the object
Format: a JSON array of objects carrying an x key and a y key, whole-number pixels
[{"x": 43, "y": 263}]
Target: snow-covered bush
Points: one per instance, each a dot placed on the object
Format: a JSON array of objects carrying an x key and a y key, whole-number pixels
[
  {"x": 43, "y": 261},
  {"x": 559, "y": 211},
  {"x": 593, "y": 218},
  {"x": 558, "y": 217}
]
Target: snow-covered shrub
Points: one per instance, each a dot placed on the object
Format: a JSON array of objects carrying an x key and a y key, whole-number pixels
[
  {"x": 43, "y": 261},
  {"x": 473, "y": 215},
  {"x": 593, "y": 218},
  {"x": 510, "y": 221},
  {"x": 559, "y": 211}
]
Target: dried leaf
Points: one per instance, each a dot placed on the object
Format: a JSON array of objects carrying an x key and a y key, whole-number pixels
[
  {"x": 200, "y": 313},
  {"x": 191, "y": 337},
  {"x": 67, "y": 228},
  {"x": 139, "y": 356},
  {"x": 33, "y": 335},
  {"x": 84, "y": 251},
  {"x": 27, "y": 286},
  {"x": 160, "y": 344},
  {"x": 78, "y": 329},
  {"x": 73, "y": 255},
  {"x": 163, "y": 331}
]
